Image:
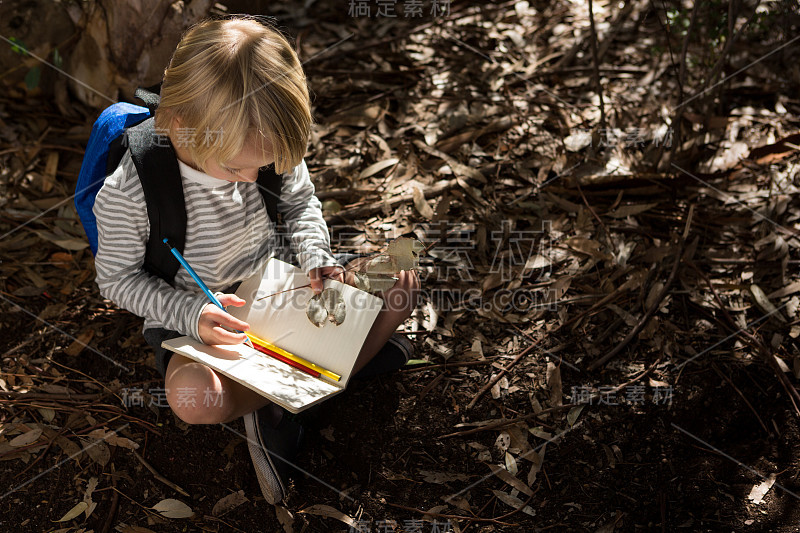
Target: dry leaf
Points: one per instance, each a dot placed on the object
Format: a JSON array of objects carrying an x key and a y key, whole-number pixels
[
  {"x": 97, "y": 450},
  {"x": 511, "y": 464},
  {"x": 329, "y": 304},
  {"x": 758, "y": 492},
  {"x": 87, "y": 496},
  {"x": 421, "y": 204},
  {"x": 316, "y": 311},
  {"x": 171, "y": 508},
  {"x": 74, "y": 512},
  {"x": 226, "y": 503},
  {"x": 113, "y": 438},
  {"x": 377, "y": 167},
  {"x": 514, "y": 502},
  {"x": 573, "y": 414},
  {"x": 441, "y": 477},
  {"x": 506, "y": 476},
  {"x": 330, "y": 512},
  {"x": 631, "y": 210},
  {"x": 554, "y": 384},
  {"x": 285, "y": 517},
  {"x": 80, "y": 343},
  {"x": 26, "y": 438}
]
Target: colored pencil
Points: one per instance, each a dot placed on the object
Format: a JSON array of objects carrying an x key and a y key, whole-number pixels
[
  {"x": 299, "y": 360},
  {"x": 286, "y": 360},
  {"x": 199, "y": 281}
]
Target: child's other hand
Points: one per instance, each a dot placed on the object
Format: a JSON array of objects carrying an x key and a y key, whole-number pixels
[
  {"x": 214, "y": 320},
  {"x": 319, "y": 275}
]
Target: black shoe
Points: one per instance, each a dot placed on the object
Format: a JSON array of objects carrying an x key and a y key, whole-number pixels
[
  {"x": 273, "y": 438},
  {"x": 394, "y": 355}
]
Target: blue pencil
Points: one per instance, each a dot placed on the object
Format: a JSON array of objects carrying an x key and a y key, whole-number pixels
[{"x": 197, "y": 280}]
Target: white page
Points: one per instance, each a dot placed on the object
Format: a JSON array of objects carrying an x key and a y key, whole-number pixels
[
  {"x": 291, "y": 388},
  {"x": 281, "y": 318}
]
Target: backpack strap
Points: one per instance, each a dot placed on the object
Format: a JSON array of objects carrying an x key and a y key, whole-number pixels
[
  {"x": 157, "y": 166},
  {"x": 269, "y": 185},
  {"x": 149, "y": 98}
]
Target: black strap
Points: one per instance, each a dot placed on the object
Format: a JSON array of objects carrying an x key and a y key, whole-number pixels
[
  {"x": 160, "y": 176},
  {"x": 149, "y": 98},
  {"x": 269, "y": 184}
]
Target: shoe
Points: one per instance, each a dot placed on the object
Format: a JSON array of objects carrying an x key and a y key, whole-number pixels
[
  {"x": 394, "y": 355},
  {"x": 273, "y": 438}
]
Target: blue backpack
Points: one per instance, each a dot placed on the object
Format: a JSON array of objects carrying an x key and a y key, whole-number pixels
[{"x": 122, "y": 127}]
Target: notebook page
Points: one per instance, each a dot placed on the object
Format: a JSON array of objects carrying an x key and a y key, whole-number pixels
[
  {"x": 281, "y": 318},
  {"x": 287, "y": 386}
]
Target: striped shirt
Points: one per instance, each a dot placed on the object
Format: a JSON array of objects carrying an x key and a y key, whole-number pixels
[{"x": 228, "y": 238}]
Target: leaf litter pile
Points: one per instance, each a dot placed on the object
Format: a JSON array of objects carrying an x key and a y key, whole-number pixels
[{"x": 606, "y": 336}]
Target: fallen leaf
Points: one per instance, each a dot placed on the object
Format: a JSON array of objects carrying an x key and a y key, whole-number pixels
[
  {"x": 285, "y": 517},
  {"x": 507, "y": 477},
  {"x": 441, "y": 477},
  {"x": 113, "y": 438},
  {"x": 74, "y": 512},
  {"x": 511, "y": 464},
  {"x": 29, "y": 437},
  {"x": 578, "y": 141},
  {"x": 630, "y": 210},
  {"x": 573, "y": 414},
  {"x": 514, "y": 502},
  {"x": 68, "y": 243},
  {"x": 329, "y": 304},
  {"x": 229, "y": 502},
  {"x": 87, "y": 496},
  {"x": 377, "y": 167},
  {"x": 171, "y": 508},
  {"x": 421, "y": 203},
  {"x": 316, "y": 312},
  {"x": 80, "y": 343},
  {"x": 553, "y": 376},
  {"x": 330, "y": 512},
  {"x": 758, "y": 492},
  {"x": 97, "y": 450},
  {"x": 764, "y": 304}
]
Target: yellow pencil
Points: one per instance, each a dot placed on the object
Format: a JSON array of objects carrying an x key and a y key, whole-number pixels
[{"x": 281, "y": 351}]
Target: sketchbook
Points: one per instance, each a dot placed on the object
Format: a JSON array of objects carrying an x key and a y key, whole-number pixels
[{"x": 281, "y": 320}]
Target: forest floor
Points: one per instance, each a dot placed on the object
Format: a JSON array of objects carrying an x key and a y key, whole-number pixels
[{"x": 607, "y": 336}]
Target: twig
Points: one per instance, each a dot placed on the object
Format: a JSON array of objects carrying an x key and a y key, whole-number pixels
[
  {"x": 451, "y": 516},
  {"x": 647, "y": 316},
  {"x": 657, "y": 304},
  {"x": 730, "y": 382},
  {"x": 509, "y": 422},
  {"x": 372, "y": 207},
  {"x": 758, "y": 344},
  {"x": 501, "y": 373},
  {"x": 114, "y": 503},
  {"x": 158, "y": 476},
  {"x": 596, "y": 62},
  {"x": 592, "y": 211},
  {"x": 676, "y": 121}
]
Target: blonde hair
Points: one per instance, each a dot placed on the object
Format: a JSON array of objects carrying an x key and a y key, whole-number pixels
[{"x": 232, "y": 80}]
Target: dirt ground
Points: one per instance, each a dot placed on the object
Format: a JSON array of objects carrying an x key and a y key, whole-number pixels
[{"x": 607, "y": 338}]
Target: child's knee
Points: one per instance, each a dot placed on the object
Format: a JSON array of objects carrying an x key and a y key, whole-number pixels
[
  {"x": 402, "y": 297},
  {"x": 195, "y": 394}
]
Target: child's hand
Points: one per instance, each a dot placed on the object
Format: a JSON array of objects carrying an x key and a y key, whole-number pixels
[
  {"x": 214, "y": 320},
  {"x": 319, "y": 275}
]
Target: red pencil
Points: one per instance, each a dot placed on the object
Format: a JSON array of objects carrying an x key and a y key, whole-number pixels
[{"x": 286, "y": 360}]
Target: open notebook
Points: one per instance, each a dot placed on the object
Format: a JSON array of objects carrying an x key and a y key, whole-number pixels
[{"x": 281, "y": 320}]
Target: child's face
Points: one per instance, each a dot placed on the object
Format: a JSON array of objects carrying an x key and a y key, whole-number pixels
[{"x": 243, "y": 167}]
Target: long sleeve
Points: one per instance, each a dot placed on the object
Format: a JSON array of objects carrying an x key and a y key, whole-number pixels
[
  {"x": 123, "y": 229},
  {"x": 302, "y": 214}
]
